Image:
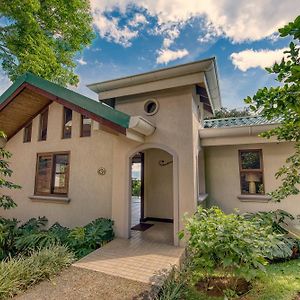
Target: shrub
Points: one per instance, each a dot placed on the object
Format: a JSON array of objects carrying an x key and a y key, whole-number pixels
[
  {"x": 83, "y": 240},
  {"x": 136, "y": 187},
  {"x": 288, "y": 247},
  {"x": 33, "y": 235},
  {"x": 17, "y": 274},
  {"x": 230, "y": 243}
]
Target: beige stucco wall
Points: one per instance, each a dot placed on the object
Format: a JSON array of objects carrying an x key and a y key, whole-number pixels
[
  {"x": 175, "y": 134},
  {"x": 89, "y": 192},
  {"x": 158, "y": 185},
  {"x": 223, "y": 182}
]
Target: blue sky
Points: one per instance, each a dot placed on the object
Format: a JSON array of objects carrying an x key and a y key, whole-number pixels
[{"x": 140, "y": 36}]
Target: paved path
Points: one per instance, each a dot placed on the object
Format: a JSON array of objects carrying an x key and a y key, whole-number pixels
[{"x": 134, "y": 259}]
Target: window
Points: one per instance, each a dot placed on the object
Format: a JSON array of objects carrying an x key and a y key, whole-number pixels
[
  {"x": 27, "y": 133},
  {"x": 67, "y": 125},
  {"x": 151, "y": 107},
  {"x": 52, "y": 174},
  {"x": 251, "y": 172},
  {"x": 43, "y": 125},
  {"x": 86, "y": 124}
]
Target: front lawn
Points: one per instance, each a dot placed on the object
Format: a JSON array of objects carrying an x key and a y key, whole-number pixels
[{"x": 280, "y": 282}]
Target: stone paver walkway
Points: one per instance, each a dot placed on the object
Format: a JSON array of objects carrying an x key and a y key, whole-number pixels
[{"x": 134, "y": 259}]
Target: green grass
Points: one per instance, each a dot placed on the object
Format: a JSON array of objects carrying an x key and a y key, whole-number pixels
[
  {"x": 17, "y": 274},
  {"x": 281, "y": 282}
]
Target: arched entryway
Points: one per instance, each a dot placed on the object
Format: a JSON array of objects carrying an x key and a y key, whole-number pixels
[{"x": 153, "y": 194}]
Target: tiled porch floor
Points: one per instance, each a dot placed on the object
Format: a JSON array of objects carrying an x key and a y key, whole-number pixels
[
  {"x": 143, "y": 257},
  {"x": 136, "y": 259}
]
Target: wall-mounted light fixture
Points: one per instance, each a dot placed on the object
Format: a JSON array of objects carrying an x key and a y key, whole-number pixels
[
  {"x": 163, "y": 163},
  {"x": 101, "y": 171}
]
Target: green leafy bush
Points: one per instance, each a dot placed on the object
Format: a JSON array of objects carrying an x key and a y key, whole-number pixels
[
  {"x": 33, "y": 235},
  {"x": 83, "y": 240},
  {"x": 17, "y": 274},
  {"x": 288, "y": 247},
  {"x": 230, "y": 243},
  {"x": 136, "y": 187}
]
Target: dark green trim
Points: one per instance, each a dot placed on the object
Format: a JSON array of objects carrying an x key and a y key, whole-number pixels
[{"x": 84, "y": 102}]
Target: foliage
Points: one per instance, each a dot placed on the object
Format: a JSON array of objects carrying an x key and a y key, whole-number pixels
[
  {"x": 281, "y": 281},
  {"x": 230, "y": 113},
  {"x": 37, "y": 240},
  {"x": 175, "y": 284},
  {"x": 83, "y": 240},
  {"x": 277, "y": 222},
  {"x": 283, "y": 102},
  {"x": 33, "y": 235},
  {"x": 43, "y": 37},
  {"x": 230, "y": 243},
  {"x": 6, "y": 202},
  {"x": 8, "y": 234},
  {"x": 17, "y": 274},
  {"x": 136, "y": 187}
]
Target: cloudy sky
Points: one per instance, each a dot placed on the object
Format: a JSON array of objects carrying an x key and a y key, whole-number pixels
[{"x": 136, "y": 36}]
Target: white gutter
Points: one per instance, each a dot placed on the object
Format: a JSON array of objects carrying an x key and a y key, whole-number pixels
[{"x": 237, "y": 131}]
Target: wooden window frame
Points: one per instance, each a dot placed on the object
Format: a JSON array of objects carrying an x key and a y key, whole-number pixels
[
  {"x": 81, "y": 126},
  {"x": 64, "y": 123},
  {"x": 261, "y": 170},
  {"x": 46, "y": 110},
  {"x": 25, "y": 133},
  {"x": 52, "y": 154}
]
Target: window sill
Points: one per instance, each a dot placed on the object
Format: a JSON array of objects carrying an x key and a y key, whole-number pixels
[
  {"x": 254, "y": 198},
  {"x": 52, "y": 199}
]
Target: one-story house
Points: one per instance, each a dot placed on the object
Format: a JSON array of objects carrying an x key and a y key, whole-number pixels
[{"x": 73, "y": 156}]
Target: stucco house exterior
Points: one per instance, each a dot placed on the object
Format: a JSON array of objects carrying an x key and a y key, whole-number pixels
[{"x": 73, "y": 155}]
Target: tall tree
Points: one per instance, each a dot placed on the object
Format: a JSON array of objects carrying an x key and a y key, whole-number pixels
[
  {"x": 43, "y": 36},
  {"x": 283, "y": 101},
  {"x": 6, "y": 202}
]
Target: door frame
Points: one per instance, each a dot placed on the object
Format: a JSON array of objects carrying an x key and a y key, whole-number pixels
[{"x": 176, "y": 215}]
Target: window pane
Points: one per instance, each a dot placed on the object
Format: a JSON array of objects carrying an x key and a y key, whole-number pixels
[
  {"x": 67, "y": 130},
  {"x": 85, "y": 126},
  {"x": 61, "y": 174},
  {"x": 27, "y": 133},
  {"x": 43, "y": 126},
  {"x": 252, "y": 183},
  {"x": 250, "y": 160},
  {"x": 43, "y": 177}
]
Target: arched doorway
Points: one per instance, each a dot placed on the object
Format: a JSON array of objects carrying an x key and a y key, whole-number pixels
[{"x": 153, "y": 206}]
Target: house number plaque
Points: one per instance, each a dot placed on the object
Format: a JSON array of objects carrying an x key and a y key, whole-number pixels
[{"x": 101, "y": 171}]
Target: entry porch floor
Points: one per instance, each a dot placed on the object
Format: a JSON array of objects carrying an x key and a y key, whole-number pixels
[{"x": 138, "y": 258}]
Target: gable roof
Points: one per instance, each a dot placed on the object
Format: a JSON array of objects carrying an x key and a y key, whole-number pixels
[
  {"x": 239, "y": 122},
  {"x": 30, "y": 94}
]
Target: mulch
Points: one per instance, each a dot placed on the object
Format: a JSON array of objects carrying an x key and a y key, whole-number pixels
[{"x": 78, "y": 284}]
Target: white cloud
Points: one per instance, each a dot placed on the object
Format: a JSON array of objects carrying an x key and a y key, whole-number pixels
[
  {"x": 138, "y": 19},
  {"x": 4, "y": 82},
  {"x": 109, "y": 28},
  {"x": 167, "y": 55},
  {"x": 239, "y": 21},
  {"x": 81, "y": 61},
  {"x": 250, "y": 58}
]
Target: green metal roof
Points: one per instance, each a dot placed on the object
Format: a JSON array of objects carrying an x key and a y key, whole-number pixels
[
  {"x": 83, "y": 102},
  {"x": 239, "y": 121}
]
